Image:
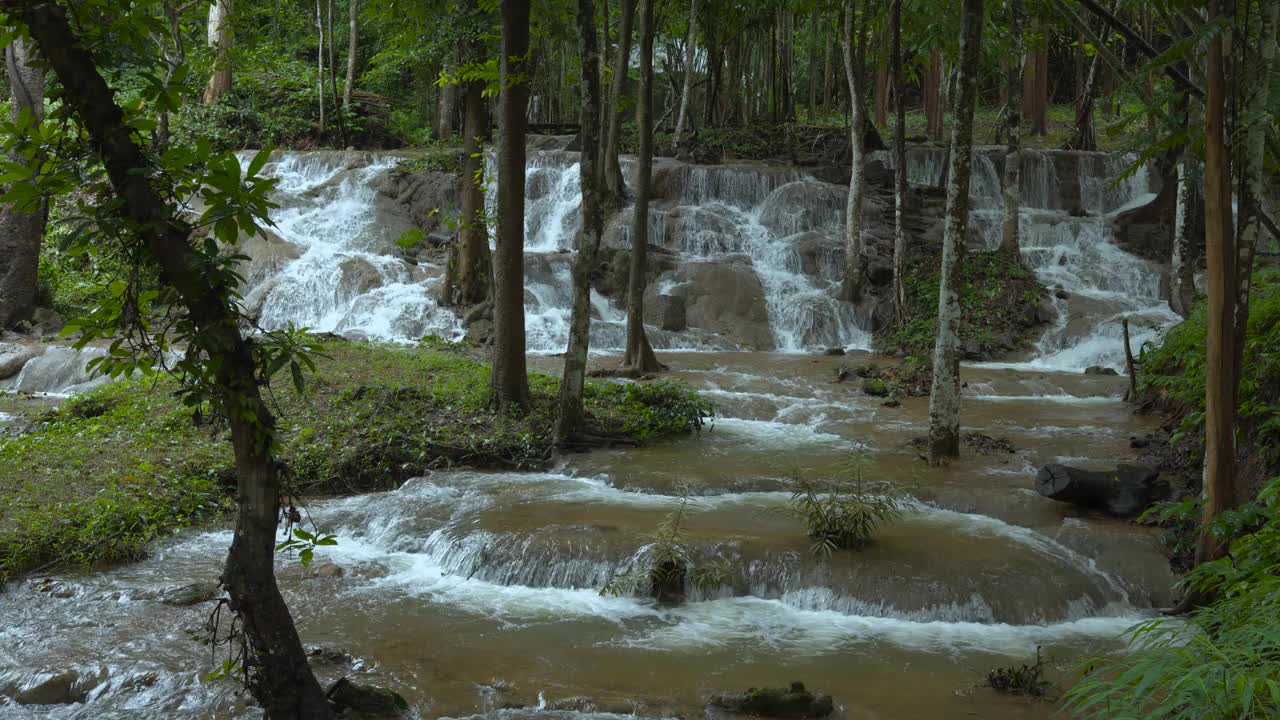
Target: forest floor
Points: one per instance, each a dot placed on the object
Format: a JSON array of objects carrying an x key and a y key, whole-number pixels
[{"x": 97, "y": 478}]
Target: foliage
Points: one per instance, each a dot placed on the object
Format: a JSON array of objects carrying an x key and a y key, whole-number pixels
[
  {"x": 1220, "y": 664},
  {"x": 843, "y": 514},
  {"x": 645, "y": 410},
  {"x": 1025, "y": 679}
]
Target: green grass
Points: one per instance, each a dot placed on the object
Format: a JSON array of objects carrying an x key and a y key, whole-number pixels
[{"x": 108, "y": 472}]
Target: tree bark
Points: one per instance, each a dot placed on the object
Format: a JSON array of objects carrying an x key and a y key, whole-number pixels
[
  {"x": 571, "y": 420},
  {"x": 687, "y": 90},
  {"x": 446, "y": 106},
  {"x": 21, "y": 230},
  {"x": 510, "y": 375},
  {"x": 1084, "y": 138},
  {"x": 944, "y": 400},
  {"x": 472, "y": 276},
  {"x": 615, "y": 185},
  {"x": 1182, "y": 289},
  {"x": 881, "y": 97},
  {"x": 220, "y": 40},
  {"x": 899, "y": 173},
  {"x": 320, "y": 63},
  {"x": 933, "y": 95},
  {"x": 1009, "y": 240},
  {"x": 827, "y": 106},
  {"x": 639, "y": 355},
  {"x": 851, "y": 290},
  {"x": 1219, "y": 441},
  {"x": 282, "y": 680},
  {"x": 353, "y": 46}
]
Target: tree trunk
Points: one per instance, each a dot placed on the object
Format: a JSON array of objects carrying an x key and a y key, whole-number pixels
[
  {"x": 687, "y": 90},
  {"x": 615, "y": 185},
  {"x": 1084, "y": 138},
  {"x": 473, "y": 275},
  {"x": 639, "y": 356},
  {"x": 1035, "y": 88},
  {"x": 282, "y": 681},
  {"x": 510, "y": 376},
  {"x": 944, "y": 400},
  {"x": 899, "y": 173},
  {"x": 1182, "y": 289},
  {"x": 353, "y": 46},
  {"x": 220, "y": 40},
  {"x": 1219, "y": 441},
  {"x": 786, "y": 38},
  {"x": 21, "y": 230},
  {"x": 446, "y": 106},
  {"x": 333, "y": 76},
  {"x": 827, "y": 76},
  {"x": 172, "y": 61},
  {"x": 812, "y": 73},
  {"x": 1009, "y": 241},
  {"x": 320, "y": 64},
  {"x": 571, "y": 420},
  {"x": 851, "y": 290},
  {"x": 881, "y": 97},
  {"x": 933, "y": 95}
]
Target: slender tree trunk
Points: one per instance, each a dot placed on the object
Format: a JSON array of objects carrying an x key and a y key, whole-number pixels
[
  {"x": 1035, "y": 87},
  {"x": 1182, "y": 288},
  {"x": 851, "y": 290},
  {"x": 786, "y": 41},
  {"x": 1220, "y": 465},
  {"x": 615, "y": 186},
  {"x": 333, "y": 76},
  {"x": 446, "y": 105},
  {"x": 282, "y": 680},
  {"x": 220, "y": 40},
  {"x": 353, "y": 46},
  {"x": 944, "y": 400},
  {"x": 1084, "y": 138},
  {"x": 899, "y": 173},
  {"x": 639, "y": 356},
  {"x": 812, "y": 73},
  {"x": 320, "y": 64},
  {"x": 933, "y": 95},
  {"x": 881, "y": 96},
  {"x": 572, "y": 420},
  {"x": 1013, "y": 130},
  {"x": 471, "y": 277},
  {"x": 173, "y": 62},
  {"x": 21, "y": 230},
  {"x": 687, "y": 90},
  {"x": 827, "y": 76},
  {"x": 510, "y": 376}
]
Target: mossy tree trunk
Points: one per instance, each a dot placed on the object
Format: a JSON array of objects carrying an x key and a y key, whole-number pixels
[
  {"x": 1009, "y": 241},
  {"x": 944, "y": 399},
  {"x": 472, "y": 278},
  {"x": 639, "y": 356},
  {"x": 851, "y": 290},
  {"x": 282, "y": 679},
  {"x": 21, "y": 231},
  {"x": 572, "y": 420},
  {"x": 510, "y": 384},
  {"x": 615, "y": 186}
]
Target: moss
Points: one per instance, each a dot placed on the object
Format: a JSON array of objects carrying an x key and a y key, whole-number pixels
[
  {"x": 875, "y": 387},
  {"x": 997, "y": 301},
  {"x": 106, "y": 473}
]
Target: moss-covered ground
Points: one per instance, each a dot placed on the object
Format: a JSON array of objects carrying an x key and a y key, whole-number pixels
[{"x": 105, "y": 473}]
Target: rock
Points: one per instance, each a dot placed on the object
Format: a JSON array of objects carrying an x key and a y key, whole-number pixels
[
  {"x": 46, "y": 322},
  {"x": 1138, "y": 443},
  {"x": 13, "y": 357},
  {"x": 875, "y": 387},
  {"x": 971, "y": 349},
  {"x": 1123, "y": 492},
  {"x": 326, "y": 570},
  {"x": 820, "y": 252},
  {"x": 1100, "y": 370},
  {"x": 1007, "y": 342},
  {"x": 892, "y": 402},
  {"x": 188, "y": 595},
  {"x": 480, "y": 332},
  {"x": 792, "y": 702},
  {"x": 718, "y": 297},
  {"x": 366, "y": 701},
  {"x": 867, "y": 371},
  {"x": 57, "y": 689},
  {"x": 55, "y": 588},
  {"x": 802, "y": 206},
  {"x": 1045, "y": 312},
  {"x": 835, "y": 351},
  {"x": 879, "y": 273},
  {"x": 1061, "y": 294},
  {"x": 986, "y": 445},
  {"x": 673, "y": 313}
]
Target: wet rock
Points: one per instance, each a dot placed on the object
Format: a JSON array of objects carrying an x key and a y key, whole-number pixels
[
  {"x": 803, "y": 206},
  {"x": 1123, "y": 492},
  {"x": 13, "y": 357},
  {"x": 987, "y": 445},
  {"x": 480, "y": 332},
  {"x": 46, "y": 323},
  {"x": 820, "y": 253},
  {"x": 971, "y": 349},
  {"x": 55, "y": 588},
  {"x": 835, "y": 351},
  {"x": 726, "y": 299},
  {"x": 1100, "y": 370},
  {"x": 326, "y": 570},
  {"x": 892, "y": 402},
  {"x": 875, "y": 387},
  {"x": 56, "y": 689},
  {"x": 1046, "y": 312},
  {"x": 867, "y": 371},
  {"x": 333, "y": 659},
  {"x": 879, "y": 273},
  {"x": 1007, "y": 342},
  {"x": 188, "y": 595},
  {"x": 673, "y": 313},
  {"x": 1061, "y": 294},
  {"x": 792, "y": 702},
  {"x": 1138, "y": 443},
  {"x": 366, "y": 702}
]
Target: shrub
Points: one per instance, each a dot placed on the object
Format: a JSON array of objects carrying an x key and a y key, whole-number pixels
[
  {"x": 1025, "y": 679},
  {"x": 843, "y": 514}
]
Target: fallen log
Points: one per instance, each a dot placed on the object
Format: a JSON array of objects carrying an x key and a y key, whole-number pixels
[{"x": 1123, "y": 492}]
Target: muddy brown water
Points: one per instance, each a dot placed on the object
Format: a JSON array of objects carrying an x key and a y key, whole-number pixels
[{"x": 467, "y": 591}]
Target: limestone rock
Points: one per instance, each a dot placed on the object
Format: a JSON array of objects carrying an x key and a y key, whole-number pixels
[
  {"x": 13, "y": 357},
  {"x": 366, "y": 702},
  {"x": 727, "y": 299},
  {"x": 792, "y": 702},
  {"x": 188, "y": 595}
]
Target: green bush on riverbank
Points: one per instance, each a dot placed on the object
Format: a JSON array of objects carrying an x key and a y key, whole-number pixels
[{"x": 106, "y": 473}]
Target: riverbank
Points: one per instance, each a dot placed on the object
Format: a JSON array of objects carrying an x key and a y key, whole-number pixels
[{"x": 96, "y": 479}]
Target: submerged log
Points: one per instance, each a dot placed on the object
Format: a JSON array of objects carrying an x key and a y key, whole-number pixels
[{"x": 1123, "y": 492}]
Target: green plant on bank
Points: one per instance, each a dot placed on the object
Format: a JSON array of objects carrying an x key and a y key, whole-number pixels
[
  {"x": 1218, "y": 664},
  {"x": 843, "y": 513},
  {"x": 1025, "y": 679},
  {"x": 663, "y": 567}
]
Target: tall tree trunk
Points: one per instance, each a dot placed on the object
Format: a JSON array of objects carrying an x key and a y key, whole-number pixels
[
  {"x": 827, "y": 76},
  {"x": 1013, "y": 130},
  {"x": 320, "y": 63},
  {"x": 899, "y": 173},
  {"x": 446, "y": 105},
  {"x": 933, "y": 95},
  {"x": 333, "y": 76},
  {"x": 1035, "y": 87},
  {"x": 173, "y": 61},
  {"x": 572, "y": 420},
  {"x": 639, "y": 356},
  {"x": 944, "y": 400},
  {"x": 812, "y": 73},
  {"x": 353, "y": 46},
  {"x": 786, "y": 41},
  {"x": 21, "y": 230},
  {"x": 282, "y": 680},
  {"x": 471, "y": 270},
  {"x": 881, "y": 97},
  {"x": 1219, "y": 441},
  {"x": 615, "y": 185},
  {"x": 851, "y": 289},
  {"x": 1182, "y": 288},
  {"x": 220, "y": 40},
  {"x": 1085, "y": 138},
  {"x": 687, "y": 90},
  {"x": 510, "y": 375}
]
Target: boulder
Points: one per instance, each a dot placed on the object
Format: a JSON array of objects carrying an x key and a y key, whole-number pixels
[
  {"x": 792, "y": 702},
  {"x": 875, "y": 387},
  {"x": 326, "y": 570},
  {"x": 366, "y": 702},
  {"x": 1123, "y": 492},
  {"x": 1100, "y": 370},
  {"x": 820, "y": 254},
  {"x": 62, "y": 688},
  {"x": 673, "y": 313},
  {"x": 719, "y": 297},
  {"x": 47, "y": 323},
  {"x": 802, "y": 206},
  {"x": 192, "y": 594},
  {"x": 13, "y": 357}
]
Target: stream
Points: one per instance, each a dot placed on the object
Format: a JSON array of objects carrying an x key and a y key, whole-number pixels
[{"x": 470, "y": 591}]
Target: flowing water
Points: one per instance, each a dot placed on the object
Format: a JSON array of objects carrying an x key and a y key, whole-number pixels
[{"x": 467, "y": 591}]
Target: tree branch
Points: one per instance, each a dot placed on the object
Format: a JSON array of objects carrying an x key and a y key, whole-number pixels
[{"x": 1139, "y": 42}]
